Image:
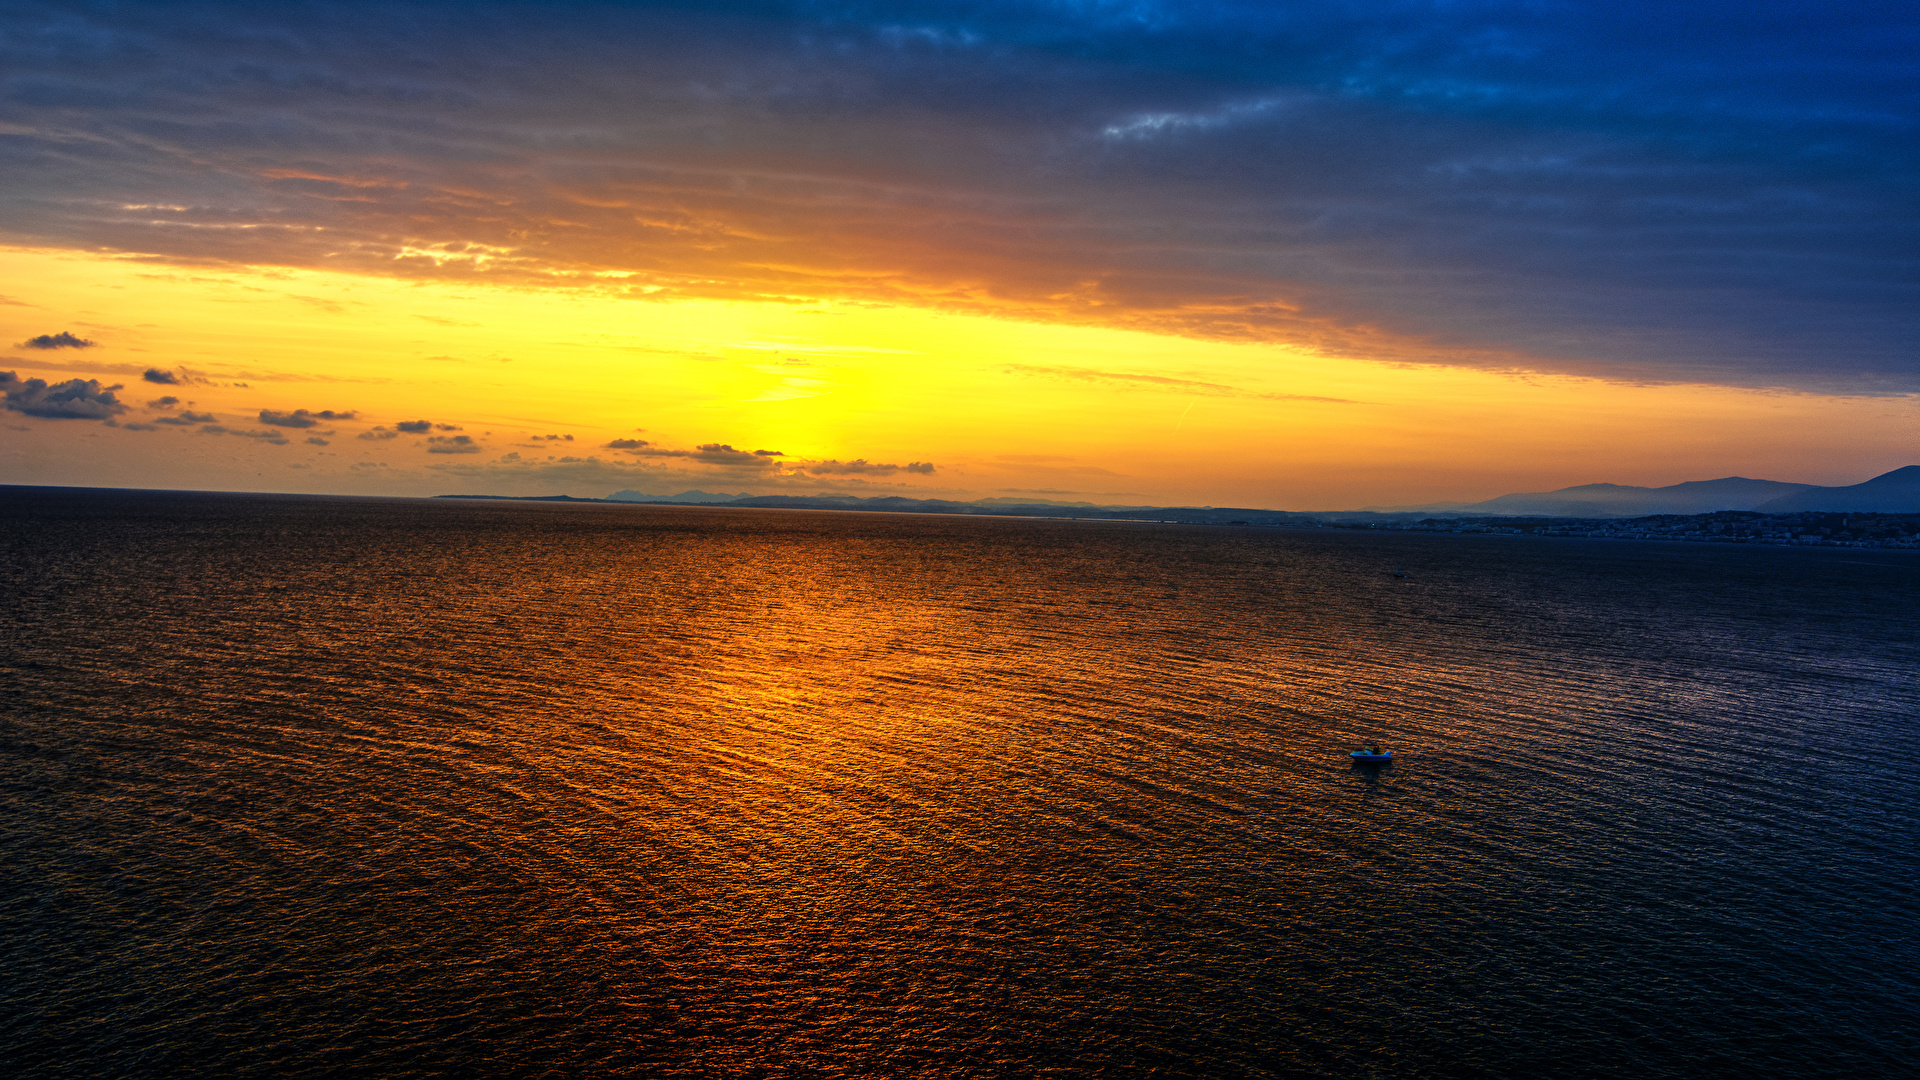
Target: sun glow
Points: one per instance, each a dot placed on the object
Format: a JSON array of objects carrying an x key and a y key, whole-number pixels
[{"x": 524, "y": 389}]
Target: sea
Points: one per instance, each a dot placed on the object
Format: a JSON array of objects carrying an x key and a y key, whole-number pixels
[{"x": 297, "y": 786}]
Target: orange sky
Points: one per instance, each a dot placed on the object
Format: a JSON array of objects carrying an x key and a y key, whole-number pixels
[
  {"x": 526, "y": 387},
  {"x": 1285, "y": 256}
]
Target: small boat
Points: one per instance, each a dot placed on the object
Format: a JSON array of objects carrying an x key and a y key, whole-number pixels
[{"x": 1363, "y": 757}]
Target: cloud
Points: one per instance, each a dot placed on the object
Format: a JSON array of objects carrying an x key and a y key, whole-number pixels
[
  {"x": 1165, "y": 382},
  {"x": 452, "y": 444},
  {"x": 167, "y": 402},
  {"x": 137, "y": 427},
  {"x": 724, "y": 454},
  {"x": 414, "y": 427},
  {"x": 273, "y": 437},
  {"x": 863, "y": 467},
  {"x": 188, "y": 418},
  {"x": 378, "y": 433},
  {"x": 75, "y": 399},
  {"x": 515, "y": 474},
  {"x": 156, "y": 375},
  {"x": 765, "y": 461},
  {"x": 301, "y": 418},
  {"x": 1502, "y": 184},
  {"x": 706, "y": 453},
  {"x": 61, "y": 340},
  {"x": 316, "y": 440}
]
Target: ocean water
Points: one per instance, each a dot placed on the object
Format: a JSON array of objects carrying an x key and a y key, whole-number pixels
[{"x": 301, "y": 787}]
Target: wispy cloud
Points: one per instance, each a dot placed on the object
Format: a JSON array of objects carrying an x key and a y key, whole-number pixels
[
  {"x": 1168, "y": 383},
  {"x": 274, "y": 438}
]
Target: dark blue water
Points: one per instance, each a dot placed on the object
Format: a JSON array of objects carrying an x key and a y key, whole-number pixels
[{"x": 305, "y": 787}]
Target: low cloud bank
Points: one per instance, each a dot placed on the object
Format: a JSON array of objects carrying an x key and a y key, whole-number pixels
[
  {"x": 767, "y": 462},
  {"x": 513, "y": 474},
  {"x": 188, "y": 418},
  {"x": 863, "y": 467},
  {"x": 302, "y": 418},
  {"x": 271, "y": 437}
]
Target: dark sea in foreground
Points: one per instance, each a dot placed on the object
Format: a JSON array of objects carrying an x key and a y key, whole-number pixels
[{"x": 296, "y": 786}]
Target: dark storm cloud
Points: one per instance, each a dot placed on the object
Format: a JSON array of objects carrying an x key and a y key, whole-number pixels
[
  {"x": 61, "y": 340},
  {"x": 302, "y": 418},
  {"x": 156, "y": 375},
  {"x": 1638, "y": 189},
  {"x": 75, "y": 399}
]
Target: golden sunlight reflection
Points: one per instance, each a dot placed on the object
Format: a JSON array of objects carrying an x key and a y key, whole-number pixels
[{"x": 723, "y": 783}]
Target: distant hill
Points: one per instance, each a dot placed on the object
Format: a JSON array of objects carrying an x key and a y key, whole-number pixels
[
  {"x": 1623, "y": 500},
  {"x": 1897, "y": 492},
  {"x": 1001, "y": 507},
  {"x": 684, "y": 497}
]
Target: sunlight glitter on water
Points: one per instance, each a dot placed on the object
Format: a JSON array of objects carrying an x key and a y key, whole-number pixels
[{"x": 301, "y": 786}]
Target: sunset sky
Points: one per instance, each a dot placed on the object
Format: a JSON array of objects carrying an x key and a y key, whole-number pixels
[{"x": 1289, "y": 255}]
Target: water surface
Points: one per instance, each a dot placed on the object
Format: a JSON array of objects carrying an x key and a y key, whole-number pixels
[{"x": 300, "y": 786}]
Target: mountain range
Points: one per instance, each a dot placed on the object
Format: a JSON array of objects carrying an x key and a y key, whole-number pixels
[
  {"x": 1897, "y": 492},
  {"x": 696, "y": 496}
]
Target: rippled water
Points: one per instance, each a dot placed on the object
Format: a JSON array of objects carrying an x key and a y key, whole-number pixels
[{"x": 303, "y": 786}]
